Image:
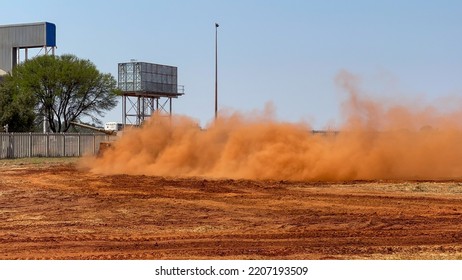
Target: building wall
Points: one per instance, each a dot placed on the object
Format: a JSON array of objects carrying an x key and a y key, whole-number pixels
[{"x": 20, "y": 36}]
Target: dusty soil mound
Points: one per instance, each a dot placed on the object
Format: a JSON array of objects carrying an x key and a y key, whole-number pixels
[{"x": 57, "y": 212}]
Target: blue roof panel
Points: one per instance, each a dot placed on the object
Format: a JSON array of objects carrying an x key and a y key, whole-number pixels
[{"x": 50, "y": 34}]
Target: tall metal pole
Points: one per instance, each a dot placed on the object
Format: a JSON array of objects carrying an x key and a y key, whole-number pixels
[{"x": 216, "y": 70}]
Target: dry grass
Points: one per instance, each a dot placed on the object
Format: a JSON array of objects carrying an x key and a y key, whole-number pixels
[{"x": 38, "y": 161}]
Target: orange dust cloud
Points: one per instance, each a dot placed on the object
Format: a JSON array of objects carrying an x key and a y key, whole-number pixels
[{"x": 378, "y": 140}]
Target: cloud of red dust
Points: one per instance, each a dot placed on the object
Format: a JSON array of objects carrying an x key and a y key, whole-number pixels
[{"x": 378, "y": 140}]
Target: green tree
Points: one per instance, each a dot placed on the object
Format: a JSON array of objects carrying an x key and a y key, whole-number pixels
[
  {"x": 60, "y": 88},
  {"x": 16, "y": 107}
]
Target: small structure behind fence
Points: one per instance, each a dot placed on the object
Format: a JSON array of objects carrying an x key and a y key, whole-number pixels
[{"x": 20, "y": 145}]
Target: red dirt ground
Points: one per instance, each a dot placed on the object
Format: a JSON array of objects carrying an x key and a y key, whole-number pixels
[{"x": 54, "y": 211}]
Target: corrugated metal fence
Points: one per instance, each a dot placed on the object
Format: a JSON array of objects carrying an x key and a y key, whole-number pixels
[{"x": 20, "y": 145}]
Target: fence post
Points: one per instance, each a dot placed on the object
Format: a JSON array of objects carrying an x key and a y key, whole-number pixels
[
  {"x": 11, "y": 145},
  {"x": 94, "y": 144},
  {"x": 47, "y": 144},
  {"x": 78, "y": 146},
  {"x": 30, "y": 144},
  {"x": 2, "y": 148},
  {"x": 64, "y": 145}
]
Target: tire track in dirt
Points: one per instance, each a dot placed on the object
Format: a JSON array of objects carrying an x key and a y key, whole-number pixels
[{"x": 59, "y": 212}]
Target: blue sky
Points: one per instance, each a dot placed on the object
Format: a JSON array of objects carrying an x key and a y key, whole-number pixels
[{"x": 285, "y": 52}]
